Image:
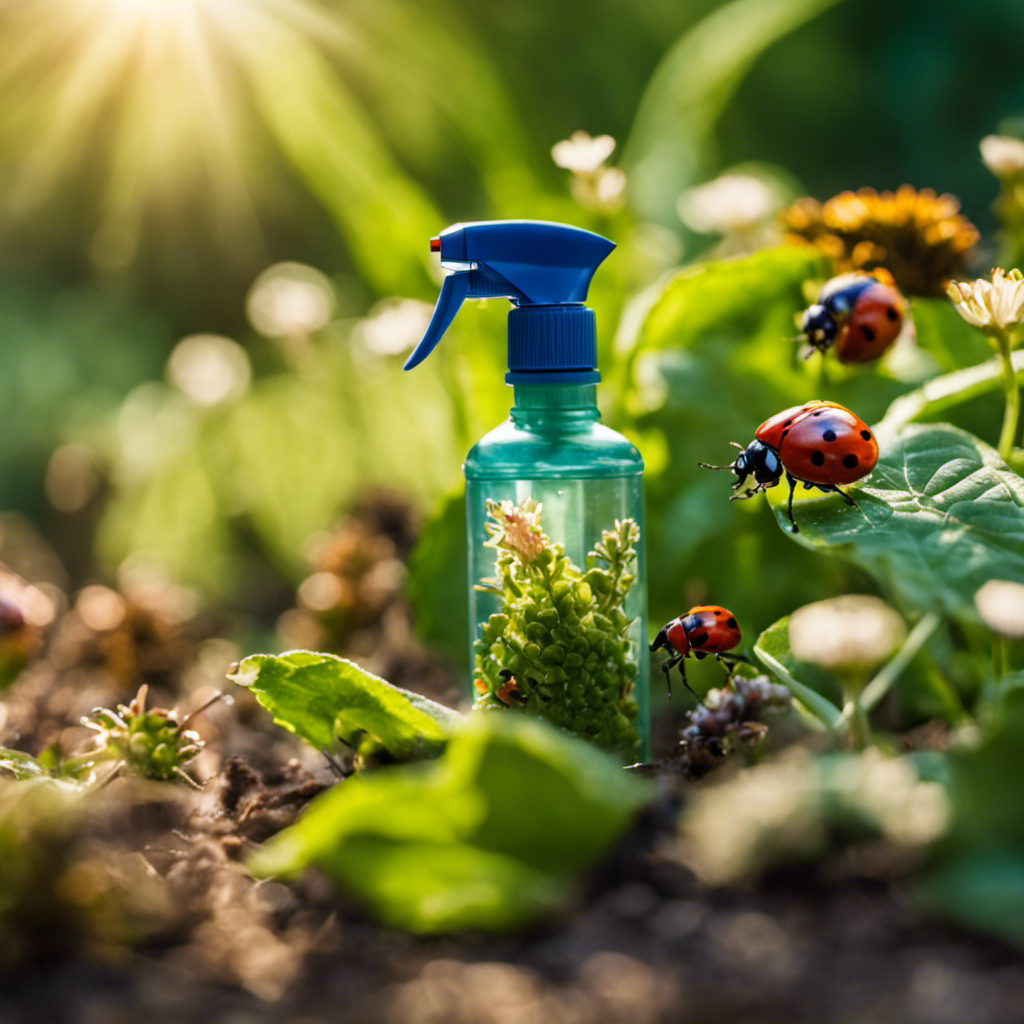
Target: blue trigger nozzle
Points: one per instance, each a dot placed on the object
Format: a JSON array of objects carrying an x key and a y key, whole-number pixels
[{"x": 545, "y": 270}]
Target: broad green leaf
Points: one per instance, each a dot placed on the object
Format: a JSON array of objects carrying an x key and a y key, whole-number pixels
[
  {"x": 940, "y": 515},
  {"x": 491, "y": 835},
  {"x": 19, "y": 765},
  {"x": 732, "y": 294},
  {"x": 804, "y": 681},
  {"x": 323, "y": 699}
]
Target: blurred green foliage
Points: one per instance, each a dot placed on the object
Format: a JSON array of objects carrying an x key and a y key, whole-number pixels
[{"x": 447, "y": 845}]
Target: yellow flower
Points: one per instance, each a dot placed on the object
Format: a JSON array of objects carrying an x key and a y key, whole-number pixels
[
  {"x": 990, "y": 305},
  {"x": 918, "y": 236}
]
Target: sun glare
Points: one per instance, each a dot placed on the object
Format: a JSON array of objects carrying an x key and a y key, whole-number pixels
[{"x": 152, "y": 98}]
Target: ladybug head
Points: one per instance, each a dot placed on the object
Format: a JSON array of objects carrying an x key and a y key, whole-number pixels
[
  {"x": 819, "y": 327},
  {"x": 760, "y": 461}
]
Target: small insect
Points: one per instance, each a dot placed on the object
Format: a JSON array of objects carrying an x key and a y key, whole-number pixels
[
  {"x": 858, "y": 315},
  {"x": 818, "y": 444},
  {"x": 707, "y": 629}
]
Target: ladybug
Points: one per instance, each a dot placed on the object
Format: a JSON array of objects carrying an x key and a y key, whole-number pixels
[
  {"x": 858, "y": 314},
  {"x": 818, "y": 444},
  {"x": 707, "y": 629}
]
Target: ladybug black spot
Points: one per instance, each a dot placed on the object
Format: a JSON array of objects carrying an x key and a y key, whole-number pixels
[
  {"x": 892, "y": 314},
  {"x": 699, "y": 641},
  {"x": 818, "y": 458},
  {"x": 866, "y": 434},
  {"x": 787, "y": 423},
  {"x": 785, "y": 432},
  {"x": 829, "y": 435},
  {"x": 850, "y": 461},
  {"x": 718, "y": 611},
  {"x": 869, "y": 334},
  {"x": 818, "y": 413},
  {"x": 730, "y": 622}
]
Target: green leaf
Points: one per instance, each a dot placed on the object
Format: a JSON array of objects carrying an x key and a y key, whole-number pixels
[
  {"x": 733, "y": 294},
  {"x": 323, "y": 699},
  {"x": 948, "y": 391},
  {"x": 489, "y": 836},
  {"x": 983, "y": 890},
  {"x": 940, "y": 515},
  {"x": 19, "y": 765},
  {"x": 804, "y": 681}
]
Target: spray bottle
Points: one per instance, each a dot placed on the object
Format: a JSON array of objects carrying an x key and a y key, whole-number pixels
[{"x": 557, "y": 591}]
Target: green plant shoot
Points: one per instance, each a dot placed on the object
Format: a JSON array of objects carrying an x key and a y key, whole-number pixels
[{"x": 558, "y": 648}]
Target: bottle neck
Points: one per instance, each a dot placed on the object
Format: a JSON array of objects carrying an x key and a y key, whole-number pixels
[{"x": 561, "y": 408}]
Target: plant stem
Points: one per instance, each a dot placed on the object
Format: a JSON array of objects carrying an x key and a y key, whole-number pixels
[
  {"x": 998, "y": 656},
  {"x": 854, "y": 713},
  {"x": 1012, "y": 411},
  {"x": 891, "y": 671}
]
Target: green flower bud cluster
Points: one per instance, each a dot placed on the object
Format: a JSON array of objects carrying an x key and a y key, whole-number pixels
[
  {"x": 558, "y": 648},
  {"x": 150, "y": 742}
]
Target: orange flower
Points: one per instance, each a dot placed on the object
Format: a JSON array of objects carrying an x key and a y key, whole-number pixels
[{"x": 919, "y": 237}]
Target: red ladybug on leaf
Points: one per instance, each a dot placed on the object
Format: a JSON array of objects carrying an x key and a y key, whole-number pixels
[{"x": 818, "y": 444}]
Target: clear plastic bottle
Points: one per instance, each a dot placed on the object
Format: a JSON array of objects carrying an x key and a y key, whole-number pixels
[{"x": 554, "y": 449}]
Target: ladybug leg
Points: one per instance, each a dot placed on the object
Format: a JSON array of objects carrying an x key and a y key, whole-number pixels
[
  {"x": 682, "y": 672},
  {"x": 667, "y": 666},
  {"x": 835, "y": 489},
  {"x": 791, "y": 480},
  {"x": 846, "y": 497}
]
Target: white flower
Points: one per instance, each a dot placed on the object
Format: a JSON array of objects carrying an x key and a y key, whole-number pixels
[
  {"x": 1002, "y": 155},
  {"x": 998, "y": 303},
  {"x": 846, "y": 632},
  {"x": 1000, "y": 603},
  {"x": 395, "y": 325},
  {"x": 582, "y": 153},
  {"x": 729, "y": 204}
]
